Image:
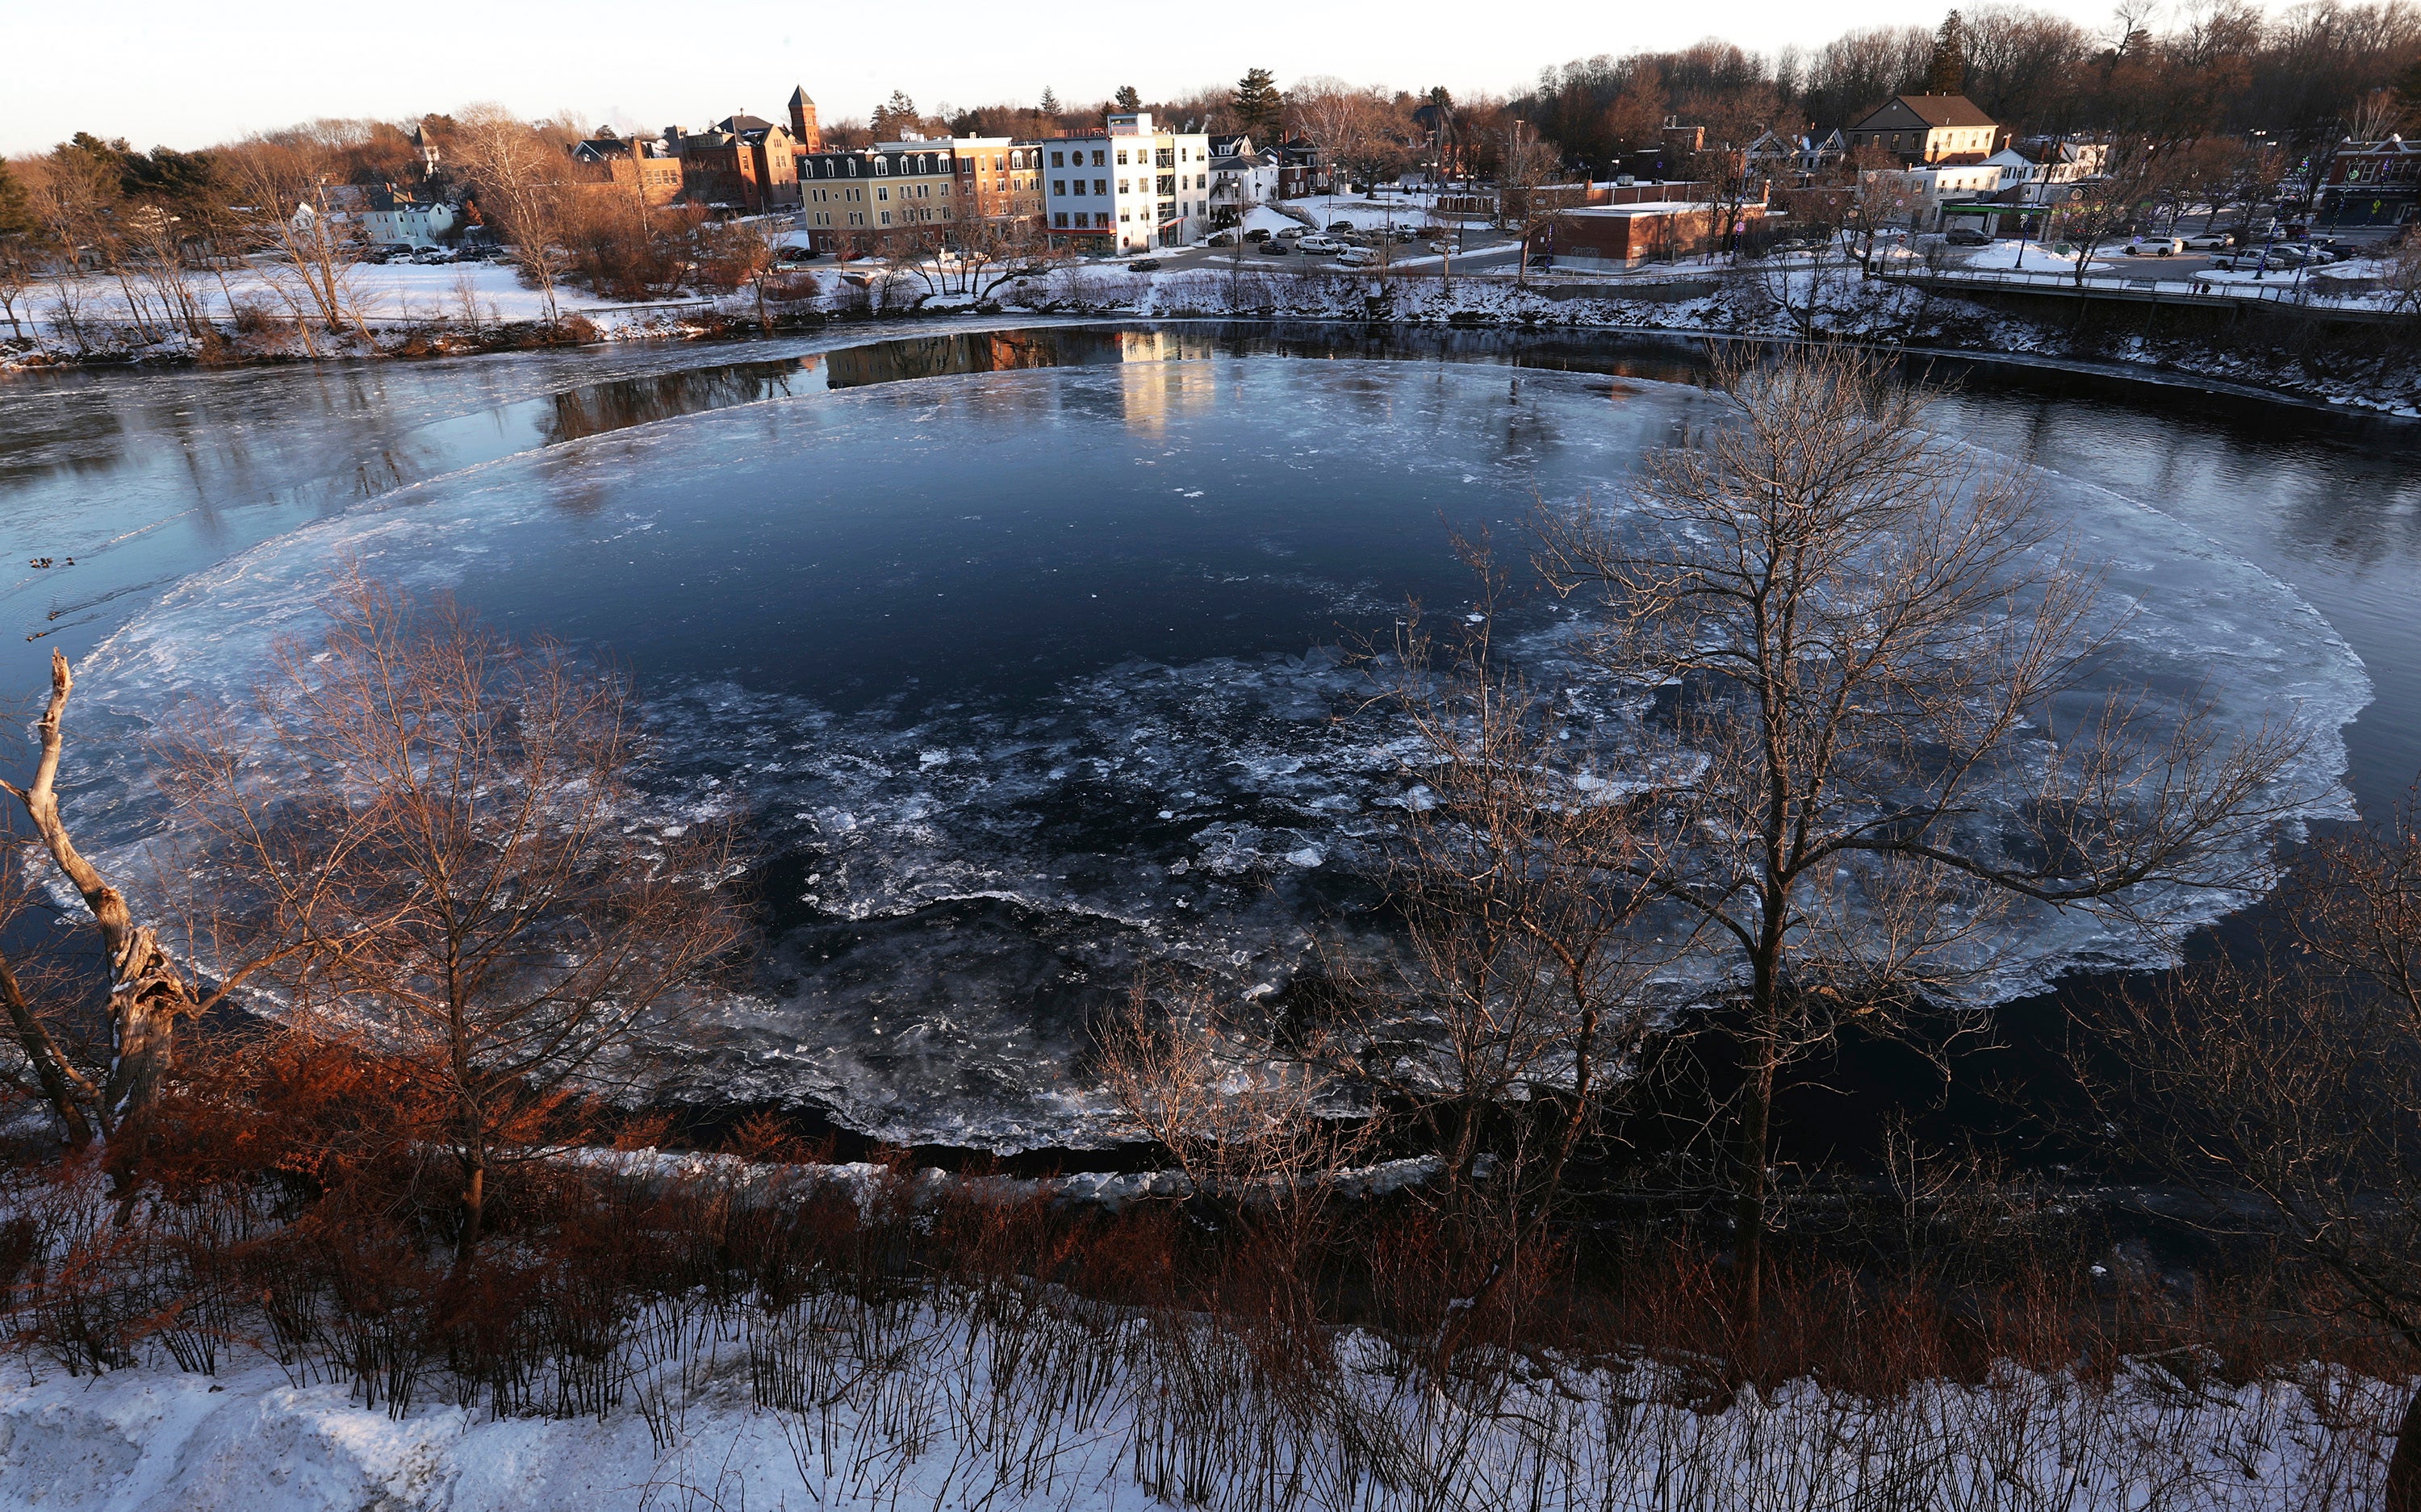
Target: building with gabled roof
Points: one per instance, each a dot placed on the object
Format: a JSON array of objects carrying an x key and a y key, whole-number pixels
[{"x": 1921, "y": 129}]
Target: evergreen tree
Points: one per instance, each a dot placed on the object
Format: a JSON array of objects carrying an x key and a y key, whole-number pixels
[
  {"x": 1128, "y": 101},
  {"x": 1258, "y": 103},
  {"x": 1050, "y": 101},
  {"x": 894, "y": 117},
  {"x": 1947, "y": 75}
]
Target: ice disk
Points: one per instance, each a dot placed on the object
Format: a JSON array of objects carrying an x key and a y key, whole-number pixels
[{"x": 1009, "y": 718}]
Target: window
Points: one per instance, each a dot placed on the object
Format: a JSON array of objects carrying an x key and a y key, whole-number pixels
[
  {"x": 1058, "y": 186},
  {"x": 1122, "y": 157},
  {"x": 1201, "y": 180},
  {"x": 882, "y": 193},
  {"x": 1122, "y": 186},
  {"x": 1079, "y": 189},
  {"x": 1100, "y": 186},
  {"x": 1055, "y": 161},
  {"x": 1060, "y": 220},
  {"x": 1096, "y": 160}
]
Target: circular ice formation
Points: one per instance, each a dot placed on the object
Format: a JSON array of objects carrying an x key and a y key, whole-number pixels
[{"x": 1027, "y": 679}]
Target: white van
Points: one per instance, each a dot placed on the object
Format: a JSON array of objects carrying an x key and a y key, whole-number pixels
[{"x": 1356, "y": 257}]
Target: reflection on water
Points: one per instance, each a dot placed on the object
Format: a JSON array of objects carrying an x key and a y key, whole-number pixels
[{"x": 597, "y": 408}]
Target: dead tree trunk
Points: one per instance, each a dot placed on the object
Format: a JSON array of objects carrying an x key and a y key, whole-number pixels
[
  {"x": 146, "y": 993},
  {"x": 2404, "y": 1469},
  {"x": 68, "y": 1093}
]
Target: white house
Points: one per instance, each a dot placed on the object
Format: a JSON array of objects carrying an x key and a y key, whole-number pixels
[
  {"x": 1240, "y": 177},
  {"x": 1126, "y": 188},
  {"x": 399, "y": 219},
  {"x": 1935, "y": 185},
  {"x": 2033, "y": 169}
]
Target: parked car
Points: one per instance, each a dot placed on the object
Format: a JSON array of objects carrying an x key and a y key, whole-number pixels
[
  {"x": 432, "y": 257},
  {"x": 1356, "y": 257},
  {"x": 2209, "y": 241},
  {"x": 1405, "y": 234},
  {"x": 1339, "y": 227},
  {"x": 1144, "y": 265},
  {"x": 1220, "y": 239},
  {"x": 1962, "y": 237},
  {"x": 2156, "y": 246},
  {"x": 1258, "y": 233},
  {"x": 1275, "y": 247},
  {"x": 1790, "y": 248},
  {"x": 2308, "y": 251},
  {"x": 388, "y": 251},
  {"x": 799, "y": 254},
  {"x": 1318, "y": 243}
]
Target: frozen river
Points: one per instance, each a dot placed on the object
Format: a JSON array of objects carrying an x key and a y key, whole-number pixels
[{"x": 1022, "y": 649}]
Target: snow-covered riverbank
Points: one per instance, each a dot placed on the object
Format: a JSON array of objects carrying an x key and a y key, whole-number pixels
[{"x": 410, "y": 310}]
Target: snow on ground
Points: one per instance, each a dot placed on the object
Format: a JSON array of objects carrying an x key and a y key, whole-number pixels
[
  {"x": 1366, "y": 214},
  {"x": 949, "y": 1419},
  {"x": 385, "y": 294},
  {"x": 1264, "y": 218},
  {"x": 2029, "y": 256}
]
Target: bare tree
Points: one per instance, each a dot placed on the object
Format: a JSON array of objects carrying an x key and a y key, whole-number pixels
[
  {"x": 313, "y": 246},
  {"x": 1254, "y": 1135},
  {"x": 973, "y": 258},
  {"x": 2285, "y": 1085},
  {"x": 1519, "y": 999},
  {"x": 430, "y": 832},
  {"x": 739, "y": 253},
  {"x": 1879, "y": 201},
  {"x": 2137, "y": 177},
  {"x": 1879, "y": 675},
  {"x": 520, "y": 175}
]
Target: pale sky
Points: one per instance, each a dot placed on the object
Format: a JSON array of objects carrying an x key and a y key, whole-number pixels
[{"x": 185, "y": 74}]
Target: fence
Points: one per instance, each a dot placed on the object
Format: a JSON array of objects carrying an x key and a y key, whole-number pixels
[{"x": 2294, "y": 295}]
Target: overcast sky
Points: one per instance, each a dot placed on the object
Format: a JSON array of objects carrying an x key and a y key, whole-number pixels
[{"x": 187, "y": 74}]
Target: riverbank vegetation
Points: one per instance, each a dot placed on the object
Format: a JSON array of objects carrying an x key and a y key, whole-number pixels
[{"x": 354, "y": 1100}]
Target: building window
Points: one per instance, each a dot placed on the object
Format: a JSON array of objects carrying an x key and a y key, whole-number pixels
[
  {"x": 1098, "y": 158},
  {"x": 1060, "y": 220},
  {"x": 1058, "y": 186},
  {"x": 1122, "y": 186},
  {"x": 1055, "y": 162},
  {"x": 1100, "y": 186},
  {"x": 882, "y": 193}
]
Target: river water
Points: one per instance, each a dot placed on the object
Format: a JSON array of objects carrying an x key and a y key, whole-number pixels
[{"x": 1026, "y": 650}]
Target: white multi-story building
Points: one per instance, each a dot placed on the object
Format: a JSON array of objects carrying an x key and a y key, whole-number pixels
[
  {"x": 1930, "y": 188},
  {"x": 1126, "y": 188}
]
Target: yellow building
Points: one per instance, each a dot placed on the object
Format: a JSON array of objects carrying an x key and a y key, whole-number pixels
[{"x": 854, "y": 197}]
